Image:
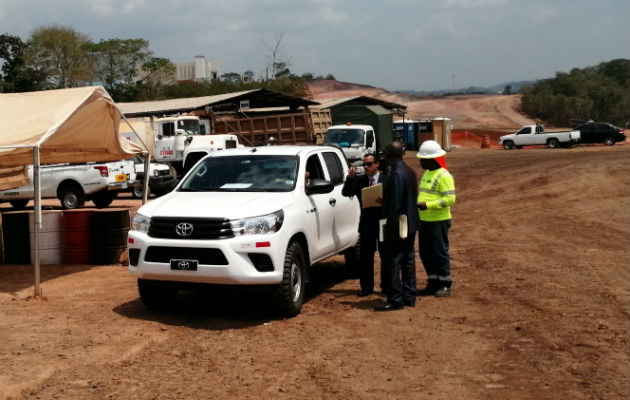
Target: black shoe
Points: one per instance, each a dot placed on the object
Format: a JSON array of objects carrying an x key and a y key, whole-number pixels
[
  {"x": 443, "y": 292},
  {"x": 389, "y": 307},
  {"x": 409, "y": 303},
  {"x": 363, "y": 293}
]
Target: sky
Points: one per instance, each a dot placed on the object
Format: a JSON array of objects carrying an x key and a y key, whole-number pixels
[{"x": 391, "y": 44}]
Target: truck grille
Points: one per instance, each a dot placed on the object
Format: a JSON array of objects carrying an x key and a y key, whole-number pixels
[
  {"x": 190, "y": 228},
  {"x": 203, "y": 256},
  {"x": 164, "y": 172}
]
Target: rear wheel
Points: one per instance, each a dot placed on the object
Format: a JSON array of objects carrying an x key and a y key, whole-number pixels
[
  {"x": 609, "y": 141},
  {"x": 18, "y": 204},
  {"x": 553, "y": 143},
  {"x": 71, "y": 196},
  {"x": 103, "y": 198},
  {"x": 156, "y": 294},
  {"x": 508, "y": 145},
  {"x": 290, "y": 292}
]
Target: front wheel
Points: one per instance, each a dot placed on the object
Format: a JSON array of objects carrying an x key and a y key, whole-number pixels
[
  {"x": 156, "y": 294},
  {"x": 137, "y": 192},
  {"x": 609, "y": 141},
  {"x": 508, "y": 145},
  {"x": 553, "y": 143},
  {"x": 290, "y": 292}
]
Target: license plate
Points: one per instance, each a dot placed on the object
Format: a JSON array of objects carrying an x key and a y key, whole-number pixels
[
  {"x": 121, "y": 177},
  {"x": 183, "y": 265}
]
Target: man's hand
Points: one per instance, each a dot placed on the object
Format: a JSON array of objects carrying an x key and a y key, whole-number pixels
[{"x": 422, "y": 205}]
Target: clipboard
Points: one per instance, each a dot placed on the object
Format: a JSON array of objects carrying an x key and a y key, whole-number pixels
[{"x": 370, "y": 195}]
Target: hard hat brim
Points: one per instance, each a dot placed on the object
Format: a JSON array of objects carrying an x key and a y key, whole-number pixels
[{"x": 440, "y": 154}]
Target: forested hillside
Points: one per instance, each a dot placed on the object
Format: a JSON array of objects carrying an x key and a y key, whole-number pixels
[{"x": 600, "y": 93}]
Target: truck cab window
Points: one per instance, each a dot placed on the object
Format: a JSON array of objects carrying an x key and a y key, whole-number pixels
[
  {"x": 314, "y": 168},
  {"x": 335, "y": 170},
  {"x": 168, "y": 129}
]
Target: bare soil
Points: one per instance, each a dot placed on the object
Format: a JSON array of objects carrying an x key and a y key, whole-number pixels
[{"x": 540, "y": 309}]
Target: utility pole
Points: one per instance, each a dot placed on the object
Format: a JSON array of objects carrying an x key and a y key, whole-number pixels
[{"x": 453, "y": 76}]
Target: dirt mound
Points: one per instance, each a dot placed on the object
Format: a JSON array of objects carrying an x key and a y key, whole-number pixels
[{"x": 489, "y": 112}]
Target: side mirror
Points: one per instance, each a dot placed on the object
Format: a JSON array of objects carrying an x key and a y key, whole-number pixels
[{"x": 319, "y": 186}]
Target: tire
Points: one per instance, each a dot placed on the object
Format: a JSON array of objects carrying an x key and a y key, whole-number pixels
[
  {"x": 156, "y": 294},
  {"x": 290, "y": 292},
  {"x": 137, "y": 192},
  {"x": 609, "y": 141},
  {"x": 553, "y": 143},
  {"x": 508, "y": 145},
  {"x": 71, "y": 196},
  {"x": 103, "y": 198},
  {"x": 18, "y": 204}
]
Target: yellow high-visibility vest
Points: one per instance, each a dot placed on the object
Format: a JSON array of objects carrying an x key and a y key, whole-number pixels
[{"x": 437, "y": 189}]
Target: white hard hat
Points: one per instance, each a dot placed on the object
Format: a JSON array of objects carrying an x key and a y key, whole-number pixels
[{"x": 430, "y": 149}]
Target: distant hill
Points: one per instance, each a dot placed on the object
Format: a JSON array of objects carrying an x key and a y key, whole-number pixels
[
  {"x": 467, "y": 111},
  {"x": 515, "y": 87}
]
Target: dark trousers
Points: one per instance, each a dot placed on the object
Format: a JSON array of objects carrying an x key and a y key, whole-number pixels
[
  {"x": 369, "y": 245},
  {"x": 401, "y": 265},
  {"x": 433, "y": 246}
]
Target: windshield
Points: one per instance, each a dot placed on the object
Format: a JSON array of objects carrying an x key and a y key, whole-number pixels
[
  {"x": 344, "y": 137},
  {"x": 189, "y": 126},
  {"x": 248, "y": 173}
]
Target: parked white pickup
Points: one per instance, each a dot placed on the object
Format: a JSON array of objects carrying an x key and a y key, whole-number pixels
[
  {"x": 73, "y": 184},
  {"x": 530, "y": 135}
]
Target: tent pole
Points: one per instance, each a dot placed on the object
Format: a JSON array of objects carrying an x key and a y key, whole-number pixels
[
  {"x": 38, "y": 216},
  {"x": 147, "y": 176}
]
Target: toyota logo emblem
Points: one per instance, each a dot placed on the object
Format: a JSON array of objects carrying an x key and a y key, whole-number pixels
[{"x": 184, "y": 229}]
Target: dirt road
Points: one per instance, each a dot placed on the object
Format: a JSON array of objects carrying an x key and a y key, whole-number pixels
[{"x": 540, "y": 309}]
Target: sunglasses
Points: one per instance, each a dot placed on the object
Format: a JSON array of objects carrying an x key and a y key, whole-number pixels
[{"x": 367, "y": 164}]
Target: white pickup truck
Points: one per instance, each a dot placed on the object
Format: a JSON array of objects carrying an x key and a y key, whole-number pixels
[
  {"x": 251, "y": 216},
  {"x": 531, "y": 135},
  {"x": 73, "y": 184}
]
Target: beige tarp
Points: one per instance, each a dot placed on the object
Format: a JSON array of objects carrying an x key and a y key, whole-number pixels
[{"x": 69, "y": 125}]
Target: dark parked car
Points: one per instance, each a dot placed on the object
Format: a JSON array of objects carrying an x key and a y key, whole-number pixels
[{"x": 600, "y": 132}]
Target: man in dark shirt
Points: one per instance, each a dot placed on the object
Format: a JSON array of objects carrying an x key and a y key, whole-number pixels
[
  {"x": 400, "y": 193},
  {"x": 368, "y": 224}
]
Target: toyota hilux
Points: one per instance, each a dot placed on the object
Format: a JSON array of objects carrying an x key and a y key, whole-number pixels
[{"x": 249, "y": 216}]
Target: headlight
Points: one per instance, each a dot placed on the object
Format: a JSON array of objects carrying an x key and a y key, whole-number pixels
[
  {"x": 140, "y": 223},
  {"x": 261, "y": 225},
  {"x": 156, "y": 172}
]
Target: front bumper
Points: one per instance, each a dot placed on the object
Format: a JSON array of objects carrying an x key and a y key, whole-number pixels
[{"x": 223, "y": 261}]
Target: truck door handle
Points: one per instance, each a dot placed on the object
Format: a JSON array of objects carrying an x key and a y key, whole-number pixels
[{"x": 332, "y": 202}]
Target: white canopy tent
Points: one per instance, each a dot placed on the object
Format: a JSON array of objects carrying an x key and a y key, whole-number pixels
[{"x": 57, "y": 126}]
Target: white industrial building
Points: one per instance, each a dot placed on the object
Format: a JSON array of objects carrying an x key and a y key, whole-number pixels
[{"x": 199, "y": 70}]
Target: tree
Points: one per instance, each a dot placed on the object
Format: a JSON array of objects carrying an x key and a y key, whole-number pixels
[
  {"x": 232, "y": 77},
  {"x": 14, "y": 76},
  {"x": 276, "y": 64},
  {"x": 157, "y": 71},
  {"x": 117, "y": 61},
  {"x": 507, "y": 89},
  {"x": 248, "y": 76},
  {"x": 61, "y": 55}
]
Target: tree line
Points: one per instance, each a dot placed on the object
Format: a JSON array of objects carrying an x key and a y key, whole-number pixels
[
  {"x": 56, "y": 57},
  {"x": 598, "y": 93}
]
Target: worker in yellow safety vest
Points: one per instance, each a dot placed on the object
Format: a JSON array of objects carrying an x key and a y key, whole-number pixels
[{"x": 436, "y": 195}]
